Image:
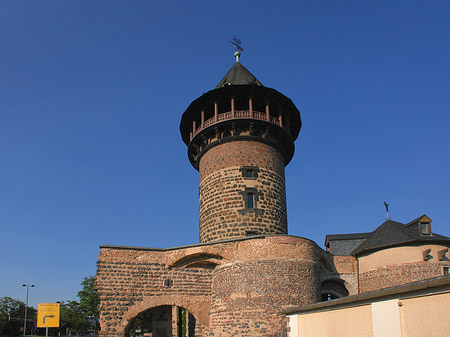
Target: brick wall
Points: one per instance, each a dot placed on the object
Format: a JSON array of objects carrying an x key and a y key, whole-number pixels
[{"x": 223, "y": 210}]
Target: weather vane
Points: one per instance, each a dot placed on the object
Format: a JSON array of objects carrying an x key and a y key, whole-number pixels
[
  {"x": 237, "y": 46},
  {"x": 386, "y": 205}
]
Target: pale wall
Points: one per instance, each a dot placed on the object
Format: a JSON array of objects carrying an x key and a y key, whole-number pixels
[
  {"x": 426, "y": 316},
  {"x": 348, "y": 322},
  {"x": 397, "y": 255}
]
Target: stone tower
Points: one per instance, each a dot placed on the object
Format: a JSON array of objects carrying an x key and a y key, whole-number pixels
[{"x": 240, "y": 136}]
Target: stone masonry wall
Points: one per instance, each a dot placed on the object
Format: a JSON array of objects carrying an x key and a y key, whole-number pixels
[
  {"x": 266, "y": 276},
  {"x": 399, "y": 274},
  {"x": 224, "y": 213},
  {"x": 241, "y": 289},
  {"x": 130, "y": 281},
  {"x": 248, "y": 296}
]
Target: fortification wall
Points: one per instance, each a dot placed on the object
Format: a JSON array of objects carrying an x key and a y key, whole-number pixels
[
  {"x": 237, "y": 287},
  {"x": 246, "y": 303},
  {"x": 266, "y": 277},
  {"x": 130, "y": 281}
]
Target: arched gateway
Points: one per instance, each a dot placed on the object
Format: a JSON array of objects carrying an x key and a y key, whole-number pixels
[
  {"x": 198, "y": 306},
  {"x": 166, "y": 316}
]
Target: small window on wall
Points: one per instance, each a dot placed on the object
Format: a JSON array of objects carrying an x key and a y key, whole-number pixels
[
  {"x": 249, "y": 172},
  {"x": 250, "y": 201},
  {"x": 446, "y": 270},
  {"x": 425, "y": 228},
  {"x": 251, "y": 233}
]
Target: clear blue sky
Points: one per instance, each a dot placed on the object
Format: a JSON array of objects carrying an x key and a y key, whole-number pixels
[{"x": 92, "y": 93}]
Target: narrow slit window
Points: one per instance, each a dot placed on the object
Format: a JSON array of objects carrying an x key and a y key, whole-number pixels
[
  {"x": 250, "y": 200},
  {"x": 168, "y": 282}
]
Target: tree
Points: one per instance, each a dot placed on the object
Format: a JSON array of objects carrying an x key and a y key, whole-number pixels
[
  {"x": 73, "y": 318},
  {"x": 89, "y": 300},
  {"x": 79, "y": 317},
  {"x": 12, "y": 313}
]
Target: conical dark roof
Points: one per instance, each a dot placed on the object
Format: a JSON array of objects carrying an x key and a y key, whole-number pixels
[{"x": 238, "y": 75}]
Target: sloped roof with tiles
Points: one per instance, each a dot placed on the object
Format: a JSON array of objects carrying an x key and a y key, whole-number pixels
[
  {"x": 390, "y": 233},
  {"x": 238, "y": 75}
]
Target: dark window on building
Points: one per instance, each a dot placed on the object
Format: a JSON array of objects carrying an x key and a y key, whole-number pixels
[
  {"x": 251, "y": 233},
  {"x": 250, "y": 200},
  {"x": 328, "y": 297},
  {"x": 425, "y": 228},
  {"x": 446, "y": 270},
  {"x": 249, "y": 172},
  {"x": 332, "y": 289},
  {"x": 168, "y": 282}
]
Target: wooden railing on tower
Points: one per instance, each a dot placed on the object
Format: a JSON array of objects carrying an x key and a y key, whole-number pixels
[{"x": 238, "y": 114}]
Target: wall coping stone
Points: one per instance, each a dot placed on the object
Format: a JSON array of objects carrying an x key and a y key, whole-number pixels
[{"x": 256, "y": 237}]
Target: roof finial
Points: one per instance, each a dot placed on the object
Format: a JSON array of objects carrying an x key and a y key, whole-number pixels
[
  {"x": 386, "y": 205},
  {"x": 237, "y": 45},
  {"x": 237, "y": 54}
]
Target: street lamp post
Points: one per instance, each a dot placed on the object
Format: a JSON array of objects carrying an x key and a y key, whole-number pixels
[{"x": 26, "y": 308}]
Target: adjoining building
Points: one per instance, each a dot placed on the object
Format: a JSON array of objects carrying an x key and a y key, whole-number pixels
[
  {"x": 247, "y": 270},
  {"x": 411, "y": 310}
]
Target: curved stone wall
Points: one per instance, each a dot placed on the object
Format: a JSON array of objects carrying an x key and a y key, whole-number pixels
[
  {"x": 395, "y": 275},
  {"x": 228, "y": 173},
  {"x": 248, "y": 296}
]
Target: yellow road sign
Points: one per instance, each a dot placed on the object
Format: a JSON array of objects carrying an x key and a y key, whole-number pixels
[{"x": 48, "y": 315}]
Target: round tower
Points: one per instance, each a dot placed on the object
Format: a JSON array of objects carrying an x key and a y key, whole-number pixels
[{"x": 240, "y": 136}]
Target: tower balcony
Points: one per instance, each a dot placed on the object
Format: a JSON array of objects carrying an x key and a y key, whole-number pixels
[{"x": 238, "y": 114}]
